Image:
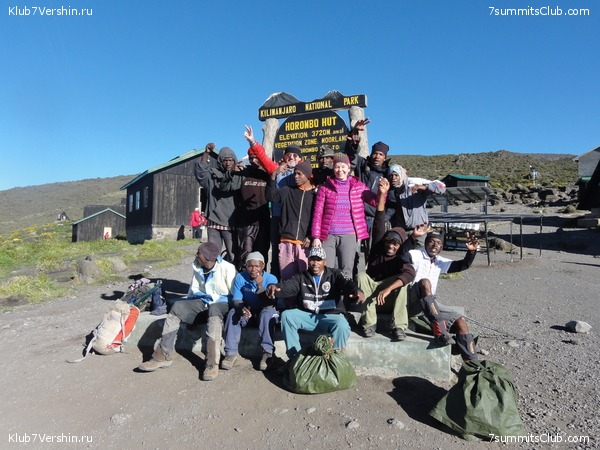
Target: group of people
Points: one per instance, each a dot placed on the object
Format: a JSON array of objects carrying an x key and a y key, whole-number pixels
[{"x": 315, "y": 222}]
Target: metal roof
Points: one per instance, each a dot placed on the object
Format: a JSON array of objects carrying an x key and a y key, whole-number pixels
[
  {"x": 468, "y": 177},
  {"x": 97, "y": 214},
  {"x": 177, "y": 160}
]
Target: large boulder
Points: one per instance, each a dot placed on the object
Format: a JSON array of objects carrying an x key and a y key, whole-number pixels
[{"x": 88, "y": 271}]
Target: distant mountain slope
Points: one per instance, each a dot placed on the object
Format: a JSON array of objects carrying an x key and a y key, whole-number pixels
[
  {"x": 38, "y": 205},
  {"x": 503, "y": 168}
]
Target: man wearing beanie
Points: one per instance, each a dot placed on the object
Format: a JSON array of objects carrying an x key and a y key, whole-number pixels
[
  {"x": 368, "y": 170},
  {"x": 251, "y": 216},
  {"x": 284, "y": 176},
  {"x": 388, "y": 274},
  {"x": 209, "y": 294},
  {"x": 293, "y": 224},
  {"x": 325, "y": 169},
  {"x": 428, "y": 266},
  {"x": 209, "y": 172}
]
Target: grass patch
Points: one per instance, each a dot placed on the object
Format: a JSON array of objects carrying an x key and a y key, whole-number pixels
[
  {"x": 46, "y": 249},
  {"x": 30, "y": 289},
  {"x": 450, "y": 276}
]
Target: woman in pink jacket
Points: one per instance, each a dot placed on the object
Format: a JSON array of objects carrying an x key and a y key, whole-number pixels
[{"x": 339, "y": 215}]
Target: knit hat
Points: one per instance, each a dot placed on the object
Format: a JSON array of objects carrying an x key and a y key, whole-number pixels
[
  {"x": 317, "y": 252},
  {"x": 305, "y": 168},
  {"x": 396, "y": 233},
  {"x": 380, "y": 147},
  {"x": 325, "y": 151},
  {"x": 293, "y": 149},
  {"x": 209, "y": 250},
  {"x": 256, "y": 256},
  {"x": 341, "y": 158},
  {"x": 437, "y": 234},
  {"x": 226, "y": 152}
]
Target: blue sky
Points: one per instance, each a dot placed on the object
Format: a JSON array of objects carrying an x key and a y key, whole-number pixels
[{"x": 140, "y": 82}]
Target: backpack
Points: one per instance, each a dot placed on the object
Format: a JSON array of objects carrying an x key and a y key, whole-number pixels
[
  {"x": 116, "y": 326},
  {"x": 141, "y": 294}
]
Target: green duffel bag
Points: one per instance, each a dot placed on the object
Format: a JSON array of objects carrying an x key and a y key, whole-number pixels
[
  {"x": 482, "y": 404},
  {"x": 319, "y": 369}
]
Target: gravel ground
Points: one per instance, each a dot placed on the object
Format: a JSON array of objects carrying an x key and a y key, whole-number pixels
[{"x": 520, "y": 309}]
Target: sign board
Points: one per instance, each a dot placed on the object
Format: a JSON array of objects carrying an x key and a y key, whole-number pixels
[
  {"x": 324, "y": 104},
  {"x": 309, "y": 132}
]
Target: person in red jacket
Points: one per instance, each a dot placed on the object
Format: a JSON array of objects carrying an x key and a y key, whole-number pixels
[{"x": 196, "y": 222}]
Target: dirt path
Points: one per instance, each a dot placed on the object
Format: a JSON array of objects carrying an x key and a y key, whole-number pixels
[{"x": 107, "y": 404}]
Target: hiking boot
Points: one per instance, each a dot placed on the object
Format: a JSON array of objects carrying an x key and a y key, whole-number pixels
[
  {"x": 442, "y": 340},
  {"x": 228, "y": 362},
  {"x": 159, "y": 360},
  {"x": 398, "y": 334},
  {"x": 211, "y": 371},
  {"x": 264, "y": 361},
  {"x": 369, "y": 332}
]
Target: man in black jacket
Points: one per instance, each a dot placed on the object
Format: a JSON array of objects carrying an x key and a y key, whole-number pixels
[
  {"x": 319, "y": 294},
  {"x": 209, "y": 171},
  {"x": 296, "y": 203},
  {"x": 251, "y": 215},
  {"x": 388, "y": 272}
]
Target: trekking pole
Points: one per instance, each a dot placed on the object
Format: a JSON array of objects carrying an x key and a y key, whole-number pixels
[{"x": 504, "y": 333}]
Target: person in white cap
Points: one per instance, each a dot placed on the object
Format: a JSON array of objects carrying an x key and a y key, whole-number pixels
[{"x": 250, "y": 304}]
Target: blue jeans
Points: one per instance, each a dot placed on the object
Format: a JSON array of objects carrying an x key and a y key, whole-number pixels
[
  {"x": 293, "y": 320},
  {"x": 267, "y": 318}
]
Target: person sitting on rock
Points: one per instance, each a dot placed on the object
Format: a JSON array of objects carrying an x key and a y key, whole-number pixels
[
  {"x": 319, "y": 295},
  {"x": 428, "y": 267},
  {"x": 209, "y": 294},
  {"x": 250, "y": 304},
  {"x": 388, "y": 272}
]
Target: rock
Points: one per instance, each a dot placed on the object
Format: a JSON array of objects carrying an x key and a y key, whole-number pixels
[
  {"x": 311, "y": 410},
  {"x": 501, "y": 244},
  {"x": 118, "y": 265},
  {"x": 88, "y": 271},
  {"x": 513, "y": 344},
  {"x": 120, "y": 419},
  {"x": 578, "y": 326},
  {"x": 352, "y": 425},
  {"x": 396, "y": 423}
]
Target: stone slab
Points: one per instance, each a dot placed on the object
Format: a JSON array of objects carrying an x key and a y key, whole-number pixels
[{"x": 378, "y": 356}]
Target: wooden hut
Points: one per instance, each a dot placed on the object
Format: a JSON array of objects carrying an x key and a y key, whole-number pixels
[
  {"x": 161, "y": 199},
  {"x": 103, "y": 224}
]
